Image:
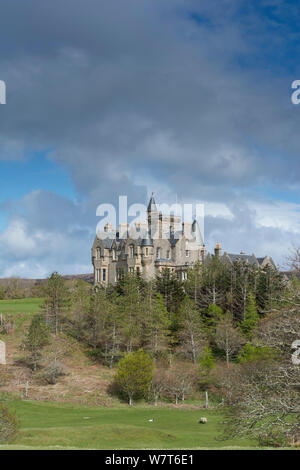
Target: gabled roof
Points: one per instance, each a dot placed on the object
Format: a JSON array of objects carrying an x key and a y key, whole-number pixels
[
  {"x": 251, "y": 259},
  {"x": 266, "y": 260}
]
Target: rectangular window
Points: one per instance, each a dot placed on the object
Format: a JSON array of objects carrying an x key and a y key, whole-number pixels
[
  {"x": 97, "y": 275},
  {"x": 158, "y": 253},
  {"x": 103, "y": 274},
  {"x": 131, "y": 251},
  {"x": 187, "y": 253},
  {"x": 147, "y": 251},
  {"x": 98, "y": 253},
  {"x": 168, "y": 254}
]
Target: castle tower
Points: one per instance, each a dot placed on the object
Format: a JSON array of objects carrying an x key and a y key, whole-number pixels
[{"x": 153, "y": 218}]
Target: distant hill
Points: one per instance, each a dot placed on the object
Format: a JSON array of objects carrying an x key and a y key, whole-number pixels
[{"x": 28, "y": 283}]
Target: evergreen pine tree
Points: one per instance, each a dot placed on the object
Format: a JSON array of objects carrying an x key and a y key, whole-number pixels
[
  {"x": 57, "y": 301},
  {"x": 36, "y": 338},
  {"x": 251, "y": 317}
]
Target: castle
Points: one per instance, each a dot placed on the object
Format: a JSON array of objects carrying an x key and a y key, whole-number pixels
[{"x": 164, "y": 241}]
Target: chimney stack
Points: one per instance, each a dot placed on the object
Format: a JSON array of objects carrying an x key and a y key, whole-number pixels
[{"x": 218, "y": 249}]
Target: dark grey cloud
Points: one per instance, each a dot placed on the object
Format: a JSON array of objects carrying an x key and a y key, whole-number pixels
[{"x": 126, "y": 95}]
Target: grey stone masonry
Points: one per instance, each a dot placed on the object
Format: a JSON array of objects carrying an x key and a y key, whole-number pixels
[{"x": 163, "y": 241}]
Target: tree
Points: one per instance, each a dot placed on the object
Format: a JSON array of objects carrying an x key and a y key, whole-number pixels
[
  {"x": 171, "y": 289},
  {"x": 191, "y": 330},
  {"x": 180, "y": 381},
  {"x": 154, "y": 317},
  {"x": 228, "y": 338},
  {"x": 159, "y": 383},
  {"x": 130, "y": 312},
  {"x": 60, "y": 346},
  {"x": 80, "y": 303},
  {"x": 213, "y": 317},
  {"x": 57, "y": 301},
  {"x": 251, "y": 353},
  {"x": 251, "y": 317},
  {"x": 207, "y": 361},
  {"x": 266, "y": 399},
  {"x": 8, "y": 425},
  {"x": 215, "y": 278},
  {"x": 97, "y": 315},
  {"x": 194, "y": 282},
  {"x": 135, "y": 374},
  {"x": 36, "y": 339}
]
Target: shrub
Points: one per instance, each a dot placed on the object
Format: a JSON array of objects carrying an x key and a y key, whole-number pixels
[
  {"x": 8, "y": 425},
  {"x": 135, "y": 374}
]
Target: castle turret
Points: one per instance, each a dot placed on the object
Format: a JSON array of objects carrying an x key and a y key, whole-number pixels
[{"x": 153, "y": 218}]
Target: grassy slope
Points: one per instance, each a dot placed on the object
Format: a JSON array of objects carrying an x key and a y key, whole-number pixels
[
  {"x": 29, "y": 306},
  {"x": 50, "y": 425}
]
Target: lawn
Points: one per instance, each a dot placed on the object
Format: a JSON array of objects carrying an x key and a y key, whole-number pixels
[
  {"x": 30, "y": 305},
  {"x": 46, "y": 425}
]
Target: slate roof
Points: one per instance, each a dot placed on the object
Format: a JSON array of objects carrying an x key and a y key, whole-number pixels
[
  {"x": 147, "y": 241},
  {"x": 251, "y": 259},
  {"x": 108, "y": 242},
  {"x": 196, "y": 232},
  {"x": 152, "y": 204}
]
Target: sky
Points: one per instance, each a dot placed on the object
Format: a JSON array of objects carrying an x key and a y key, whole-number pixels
[{"x": 186, "y": 98}]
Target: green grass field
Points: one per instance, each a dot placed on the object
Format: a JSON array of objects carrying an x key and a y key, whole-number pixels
[
  {"x": 49, "y": 425},
  {"x": 29, "y": 306}
]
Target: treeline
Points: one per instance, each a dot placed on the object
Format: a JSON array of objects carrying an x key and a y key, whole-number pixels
[
  {"x": 215, "y": 310},
  {"x": 17, "y": 288}
]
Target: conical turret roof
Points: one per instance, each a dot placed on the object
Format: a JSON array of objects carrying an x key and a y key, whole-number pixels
[
  {"x": 196, "y": 232},
  {"x": 152, "y": 205}
]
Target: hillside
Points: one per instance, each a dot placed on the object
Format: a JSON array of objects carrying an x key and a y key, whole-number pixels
[
  {"x": 85, "y": 381},
  {"x": 24, "y": 283}
]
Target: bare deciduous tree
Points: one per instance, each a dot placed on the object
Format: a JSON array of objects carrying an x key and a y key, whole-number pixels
[
  {"x": 228, "y": 338},
  {"x": 266, "y": 394}
]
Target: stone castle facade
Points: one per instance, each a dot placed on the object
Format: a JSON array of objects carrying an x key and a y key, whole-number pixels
[{"x": 163, "y": 241}]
